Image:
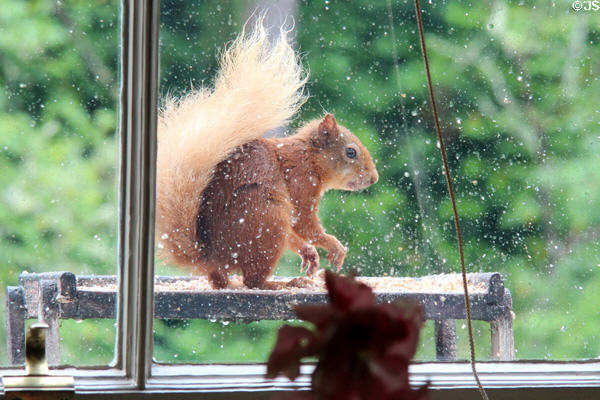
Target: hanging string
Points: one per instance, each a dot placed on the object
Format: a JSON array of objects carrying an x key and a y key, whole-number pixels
[{"x": 452, "y": 198}]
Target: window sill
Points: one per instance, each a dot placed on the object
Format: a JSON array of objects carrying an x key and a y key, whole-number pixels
[
  {"x": 525, "y": 380},
  {"x": 533, "y": 380}
]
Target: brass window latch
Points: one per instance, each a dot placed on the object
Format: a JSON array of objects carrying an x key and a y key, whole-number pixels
[{"x": 37, "y": 383}]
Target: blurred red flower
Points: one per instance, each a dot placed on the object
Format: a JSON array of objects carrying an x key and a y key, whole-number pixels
[{"x": 363, "y": 349}]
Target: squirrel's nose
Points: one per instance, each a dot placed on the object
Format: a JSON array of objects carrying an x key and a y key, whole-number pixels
[{"x": 374, "y": 178}]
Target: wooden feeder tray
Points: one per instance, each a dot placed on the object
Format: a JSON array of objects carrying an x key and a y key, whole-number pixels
[{"x": 63, "y": 295}]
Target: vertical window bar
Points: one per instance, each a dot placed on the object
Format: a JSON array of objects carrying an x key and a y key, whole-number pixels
[{"x": 137, "y": 187}]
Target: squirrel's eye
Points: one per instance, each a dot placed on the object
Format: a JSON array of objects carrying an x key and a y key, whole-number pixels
[{"x": 350, "y": 152}]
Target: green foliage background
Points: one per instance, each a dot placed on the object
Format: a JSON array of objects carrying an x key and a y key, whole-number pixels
[{"x": 518, "y": 91}]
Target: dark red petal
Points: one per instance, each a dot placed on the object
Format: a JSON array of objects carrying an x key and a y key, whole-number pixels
[
  {"x": 405, "y": 310},
  {"x": 369, "y": 348},
  {"x": 410, "y": 322},
  {"x": 304, "y": 395},
  {"x": 346, "y": 293},
  {"x": 368, "y": 329},
  {"x": 319, "y": 315},
  {"x": 395, "y": 329},
  {"x": 335, "y": 381},
  {"x": 405, "y": 348},
  {"x": 293, "y": 343},
  {"x": 384, "y": 377},
  {"x": 410, "y": 310}
]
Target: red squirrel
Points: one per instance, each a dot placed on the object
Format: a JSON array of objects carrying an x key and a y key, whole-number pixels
[{"x": 230, "y": 200}]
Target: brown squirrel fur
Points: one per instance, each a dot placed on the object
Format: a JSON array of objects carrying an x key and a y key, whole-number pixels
[{"x": 229, "y": 200}]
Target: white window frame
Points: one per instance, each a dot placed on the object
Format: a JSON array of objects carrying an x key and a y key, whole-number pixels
[{"x": 133, "y": 374}]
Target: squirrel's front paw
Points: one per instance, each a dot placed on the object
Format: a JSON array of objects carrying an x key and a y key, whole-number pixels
[
  {"x": 310, "y": 259},
  {"x": 336, "y": 255}
]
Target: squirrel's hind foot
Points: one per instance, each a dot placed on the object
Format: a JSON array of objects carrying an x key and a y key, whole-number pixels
[
  {"x": 218, "y": 279},
  {"x": 302, "y": 282}
]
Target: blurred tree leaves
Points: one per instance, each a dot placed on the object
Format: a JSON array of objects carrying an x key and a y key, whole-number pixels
[{"x": 58, "y": 144}]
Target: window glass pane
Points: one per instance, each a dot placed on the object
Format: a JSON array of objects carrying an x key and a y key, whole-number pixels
[
  {"x": 518, "y": 100},
  {"x": 59, "y": 91}
]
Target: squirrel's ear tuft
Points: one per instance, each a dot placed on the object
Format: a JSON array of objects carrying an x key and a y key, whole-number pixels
[
  {"x": 327, "y": 130},
  {"x": 328, "y": 123}
]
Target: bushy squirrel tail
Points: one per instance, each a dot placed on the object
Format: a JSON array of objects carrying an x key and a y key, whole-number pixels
[{"x": 259, "y": 87}]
